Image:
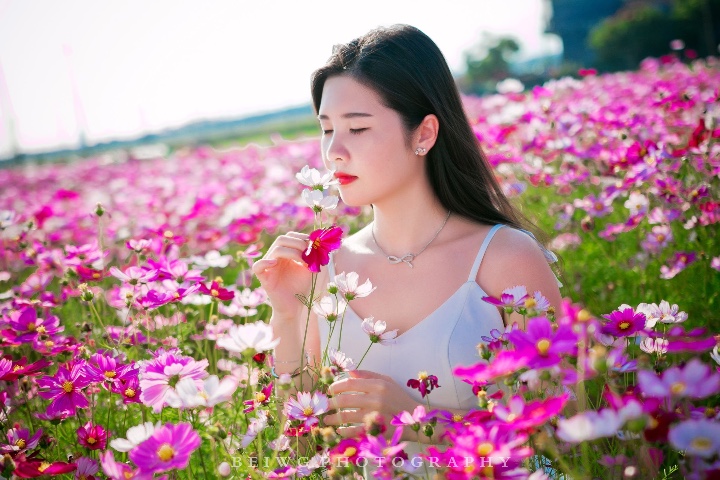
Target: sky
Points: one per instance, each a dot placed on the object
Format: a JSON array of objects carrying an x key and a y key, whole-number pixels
[{"x": 116, "y": 69}]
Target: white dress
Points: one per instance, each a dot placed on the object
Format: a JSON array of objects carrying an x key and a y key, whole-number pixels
[{"x": 446, "y": 338}]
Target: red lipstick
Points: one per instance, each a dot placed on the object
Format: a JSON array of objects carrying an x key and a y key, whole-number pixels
[{"x": 345, "y": 179}]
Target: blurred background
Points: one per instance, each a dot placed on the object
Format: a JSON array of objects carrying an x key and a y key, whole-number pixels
[{"x": 79, "y": 77}]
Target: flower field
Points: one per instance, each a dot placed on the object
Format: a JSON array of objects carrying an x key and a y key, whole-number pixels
[{"x": 134, "y": 336}]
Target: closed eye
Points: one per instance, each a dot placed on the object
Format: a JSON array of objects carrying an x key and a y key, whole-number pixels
[
  {"x": 326, "y": 132},
  {"x": 357, "y": 131}
]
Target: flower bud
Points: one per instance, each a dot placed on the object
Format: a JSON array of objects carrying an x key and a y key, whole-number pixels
[
  {"x": 99, "y": 210},
  {"x": 428, "y": 430},
  {"x": 332, "y": 288},
  {"x": 224, "y": 469}
]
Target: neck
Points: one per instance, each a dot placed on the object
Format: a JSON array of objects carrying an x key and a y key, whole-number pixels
[{"x": 400, "y": 230}]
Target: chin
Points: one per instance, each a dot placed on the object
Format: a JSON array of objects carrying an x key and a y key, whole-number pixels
[{"x": 354, "y": 200}]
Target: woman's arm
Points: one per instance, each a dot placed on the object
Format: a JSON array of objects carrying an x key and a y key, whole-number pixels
[{"x": 514, "y": 258}]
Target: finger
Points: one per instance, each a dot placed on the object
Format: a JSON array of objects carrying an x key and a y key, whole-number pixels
[
  {"x": 286, "y": 253},
  {"x": 361, "y": 385},
  {"x": 292, "y": 242},
  {"x": 345, "y": 417},
  {"x": 350, "y": 401},
  {"x": 260, "y": 266},
  {"x": 300, "y": 235},
  {"x": 350, "y": 432}
]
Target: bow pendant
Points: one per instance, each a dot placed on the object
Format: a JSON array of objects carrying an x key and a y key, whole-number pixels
[{"x": 407, "y": 258}]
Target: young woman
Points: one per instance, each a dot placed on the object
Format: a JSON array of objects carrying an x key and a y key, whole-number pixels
[{"x": 443, "y": 234}]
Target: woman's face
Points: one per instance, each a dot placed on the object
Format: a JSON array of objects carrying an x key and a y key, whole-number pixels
[{"x": 364, "y": 142}]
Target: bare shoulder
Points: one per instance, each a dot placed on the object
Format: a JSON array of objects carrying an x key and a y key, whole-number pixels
[{"x": 515, "y": 258}]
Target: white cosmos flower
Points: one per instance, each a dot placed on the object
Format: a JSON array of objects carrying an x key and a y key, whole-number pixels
[
  {"x": 311, "y": 177},
  {"x": 637, "y": 203},
  {"x": 664, "y": 313},
  {"x": 318, "y": 201},
  {"x": 376, "y": 331},
  {"x": 330, "y": 307},
  {"x": 715, "y": 355},
  {"x": 654, "y": 345},
  {"x": 340, "y": 360},
  {"x": 347, "y": 285},
  {"x": 213, "y": 392},
  {"x": 135, "y": 436},
  {"x": 256, "y": 426},
  {"x": 257, "y": 336},
  {"x": 213, "y": 258}
]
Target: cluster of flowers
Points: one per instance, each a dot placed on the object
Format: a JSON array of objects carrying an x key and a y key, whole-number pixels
[{"x": 632, "y": 151}]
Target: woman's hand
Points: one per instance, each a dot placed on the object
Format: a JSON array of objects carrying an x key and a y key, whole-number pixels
[
  {"x": 283, "y": 274},
  {"x": 362, "y": 393}
]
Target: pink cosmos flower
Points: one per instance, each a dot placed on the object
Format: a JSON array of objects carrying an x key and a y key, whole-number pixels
[
  {"x": 679, "y": 340},
  {"x": 510, "y": 299},
  {"x": 65, "y": 389},
  {"x": 382, "y": 452},
  {"x": 715, "y": 263},
  {"x": 592, "y": 424},
  {"x": 521, "y": 415},
  {"x": 320, "y": 244},
  {"x": 31, "y": 468},
  {"x": 424, "y": 383},
  {"x": 261, "y": 398},
  {"x": 375, "y": 329},
  {"x": 306, "y": 407},
  {"x": 624, "y": 322},
  {"x": 93, "y": 437},
  {"x": 28, "y": 326},
  {"x": 506, "y": 363},
  {"x": 542, "y": 343},
  {"x": 121, "y": 471},
  {"x": 86, "y": 469},
  {"x": 595, "y": 206},
  {"x": 658, "y": 238},
  {"x": 19, "y": 440},
  {"x": 679, "y": 263},
  {"x": 12, "y": 370},
  {"x": 416, "y": 418},
  {"x": 169, "y": 448},
  {"x": 134, "y": 275},
  {"x": 694, "y": 380},
  {"x": 249, "y": 338},
  {"x": 213, "y": 391},
  {"x": 482, "y": 450},
  {"x": 350, "y": 288},
  {"x": 103, "y": 367},
  {"x": 138, "y": 246},
  {"x": 216, "y": 291},
  {"x": 160, "y": 375},
  {"x": 697, "y": 438}
]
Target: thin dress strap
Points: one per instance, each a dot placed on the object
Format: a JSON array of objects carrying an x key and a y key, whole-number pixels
[
  {"x": 481, "y": 253},
  {"x": 331, "y": 268}
]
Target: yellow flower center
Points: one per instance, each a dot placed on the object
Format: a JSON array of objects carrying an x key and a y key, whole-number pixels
[
  {"x": 308, "y": 411},
  {"x": 316, "y": 244},
  {"x": 165, "y": 452},
  {"x": 176, "y": 295},
  {"x": 530, "y": 303},
  {"x": 110, "y": 374},
  {"x": 31, "y": 327},
  {"x": 511, "y": 417},
  {"x": 91, "y": 440},
  {"x": 67, "y": 386},
  {"x": 599, "y": 206},
  {"x": 660, "y": 237},
  {"x": 422, "y": 376},
  {"x": 49, "y": 343},
  {"x": 678, "y": 388},
  {"x": 20, "y": 443},
  {"x": 96, "y": 275},
  {"x": 130, "y": 393},
  {"x": 457, "y": 417},
  {"x": 469, "y": 468},
  {"x": 16, "y": 368},
  {"x": 543, "y": 345},
  {"x": 624, "y": 325},
  {"x": 583, "y": 315},
  {"x": 129, "y": 475},
  {"x": 168, "y": 234},
  {"x": 43, "y": 466},
  {"x": 701, "y": 443},
  {"x": 484, "y": 448},
  {"x": 350, "y": 451},
  {"x": 214, "y": 292},
  {"x": 260, "y": 397},
  {"x": 488, "y": 472},
  {"x": 41, "y": 330}
]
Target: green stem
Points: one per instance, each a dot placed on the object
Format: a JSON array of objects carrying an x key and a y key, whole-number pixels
[
  {"x": 363, "y": 357},
  {"x": 307, "y": 323}
]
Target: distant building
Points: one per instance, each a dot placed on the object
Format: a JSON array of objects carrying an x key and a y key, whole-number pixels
[{"x": 572, "y": 21}]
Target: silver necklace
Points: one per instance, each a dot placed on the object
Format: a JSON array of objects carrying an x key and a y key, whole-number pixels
[{"x": 408, "y": 257}]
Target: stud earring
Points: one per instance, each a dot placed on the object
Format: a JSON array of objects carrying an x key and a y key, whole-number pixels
[{"x": 420, "y": 151}]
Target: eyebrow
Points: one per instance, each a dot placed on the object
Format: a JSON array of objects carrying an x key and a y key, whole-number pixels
[{"x": 346, "y": 115}]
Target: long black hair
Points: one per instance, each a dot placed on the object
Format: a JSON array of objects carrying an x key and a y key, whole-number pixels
[{"x": 409, "y": 72}]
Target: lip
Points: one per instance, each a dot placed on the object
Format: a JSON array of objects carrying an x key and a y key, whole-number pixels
[{"x": 345, "y": 179}]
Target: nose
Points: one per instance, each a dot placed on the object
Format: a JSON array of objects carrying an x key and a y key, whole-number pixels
[{"x": 335, "y": 149}]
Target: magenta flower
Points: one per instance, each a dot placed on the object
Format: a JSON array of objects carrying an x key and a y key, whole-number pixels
[
  {"x": 64, "y": 389},
  {"x": 160, "y": 375},
  {"x": 521, "y": 415},
  {"x": 19, "y": 440},
  {"x": 169, "y": 447},
  {"x": 306, "y": 407},
  {"x": 678, "y": 340},
  {"x": 624, "y": 322},
  {"x": 28, "y": 326},
  {"x": 679, "y": 262},
  {"x": 86, "y": 469},
  {"x": 541, "y": 344},
  {"x": 694, "y": 380},
  {"x": 12, "y": 370},
  {"x": 424, "y": 383},
  {"x": 506, "y": 363},
  {"x": 102, "y": 367},
  {"x": 416, "y": 418},
  {"x": 93, "y": 437},
  {"x": 134, "y": 275},
  {"x": 216, "y": 291},
  {"x": 510, "y": 299},
  {"x": 121, "y": 471},
  {"x": 31, "y": 468},
  {"x": 321, "y": 243},
  {"x": 261, "y": 398},
  {"x": 658, "y": 238}
]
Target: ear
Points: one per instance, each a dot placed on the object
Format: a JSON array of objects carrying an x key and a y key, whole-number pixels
[{"x": 426, "y": 133}]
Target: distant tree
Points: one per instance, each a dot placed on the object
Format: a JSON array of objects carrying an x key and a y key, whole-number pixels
[
  {"x": 644, "y": 29},
  {"x": 488, "y": 63}
]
